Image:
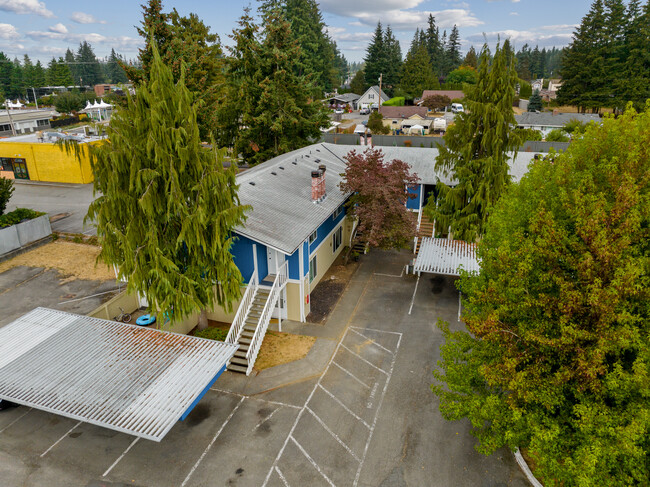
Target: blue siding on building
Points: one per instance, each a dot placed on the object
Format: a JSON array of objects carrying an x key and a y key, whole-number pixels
[
  {"x": 242, "y": 252},
  {"x": 414, "y": 204},
  {"x": 324, "y": 230},
  {"x": 294, "y": 265}
]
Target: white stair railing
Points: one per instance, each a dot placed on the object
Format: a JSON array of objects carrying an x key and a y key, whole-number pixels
[
  {"x": 279, "y": 283},
  {"x": 238, "y": 323}
]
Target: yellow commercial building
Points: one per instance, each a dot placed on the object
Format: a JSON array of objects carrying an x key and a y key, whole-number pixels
[{"x": 39, "y": 159}]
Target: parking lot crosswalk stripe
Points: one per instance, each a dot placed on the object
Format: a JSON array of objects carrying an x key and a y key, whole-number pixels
[
  {"x": 15, "y": 420},
  {"x": 369, "y": 363},
  {"x": 60, "y": 439},
  {"x": 343, "y": 405},
  {"x": 334, "y": 435},
  {"x": 378, "y": 331},
  {"x": 207, "y": 449},
  {"x": 120, "y": 457},
  {"x": 352, "y": 375},
  {"x": 372, "y": 341},
  {"x": 311, "y": 460},
  {"x": 284, "y": 481}
]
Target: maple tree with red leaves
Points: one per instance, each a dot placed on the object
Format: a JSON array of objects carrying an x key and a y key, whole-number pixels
[{"x": 379, "y": 195}]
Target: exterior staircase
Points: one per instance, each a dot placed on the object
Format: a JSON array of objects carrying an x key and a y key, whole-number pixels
[
  {"x": 239, "y": 362},
  {"x": 360, "y": 244},
  {"x": 425, "y": 229},
  {"x": 252, "y": 319}
]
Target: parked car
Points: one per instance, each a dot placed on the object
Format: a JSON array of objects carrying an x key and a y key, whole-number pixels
[
  {"x": 339, "y": 111},
  {"x": 457, "y": 108},
  {"x": 364, "y": 111}
]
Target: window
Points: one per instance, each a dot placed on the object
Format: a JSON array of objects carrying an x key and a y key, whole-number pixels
[
  {"x": 5, "y": 164},
  {"x": 371, "y": 96},
  {"x": 337, "y": 212},
  {"x": 313, "y": 269},
  {"x": 336, "y": 239},
  {"x": 313, "y": 237},
  {"x": 42, "y": 123},
  {"x": 5, "y": 128}
]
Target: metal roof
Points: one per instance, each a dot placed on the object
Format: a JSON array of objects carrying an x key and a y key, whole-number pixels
[
  {"x": 447, "y": 257},
  {"x": 548, "y": 119},
  {"x": 123, "y": 377},
  {"x": 279, "y": 190},
  {"x": 284, "y": 215}
]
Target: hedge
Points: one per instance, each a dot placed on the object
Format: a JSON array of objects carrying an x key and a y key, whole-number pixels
[{"x": 17, "y": 216}]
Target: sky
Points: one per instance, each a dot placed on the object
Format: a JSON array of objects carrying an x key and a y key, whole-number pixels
[{"x": 44, "y": 29}]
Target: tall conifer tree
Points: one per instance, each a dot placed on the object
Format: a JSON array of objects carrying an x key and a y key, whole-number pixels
[
  {"x": 167, "y": 206},
  {"x": 477, "y": 149},
  {"x": 375, "y": 57}
]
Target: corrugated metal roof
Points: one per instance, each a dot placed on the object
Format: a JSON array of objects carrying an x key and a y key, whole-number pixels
[
  {"x": 123, "y": 377},
  {"x": 446, "y": 257},
  {"x": 284, "y": 215}
]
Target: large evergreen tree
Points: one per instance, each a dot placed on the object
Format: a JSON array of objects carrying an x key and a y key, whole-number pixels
[
  {"x": 375, "y": 57},
  {"x": 556, "y": 358},
  {"x": 477, "y": 150},
  {"x": 453, "y": 50},
  {"x": 269, "y": 109},
  {"x": 17, "y": 86},
  {"x": 393, "y": 63},
  {"x": 166, "y": 207},
  {"x": 58, "y": 73},
  {"x": 6, "y": 67},
  {"x": 434, "y": 46},
  {"x": 88, "y": 70},
  {"x": 39, "y": 79},
  {"x": 114, "y": 69},
  {"x": 188, "y": 47},
  {"x": 417, "y": 74}
]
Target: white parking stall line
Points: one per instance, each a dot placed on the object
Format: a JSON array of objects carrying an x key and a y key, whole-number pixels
[
  {"x": 253, "y": 398},
  {"x": 266, "y": 419},
  {"x": 284, "y": 481},
  {"x": 207, "y": 449},
  {"x": 372, "y": 341},
  {"x": 311, "y": 460},
  {"x": 378, "y": 331},
  {"x": 120, "y": 457},
  {"x": 369, "y": 363},
  {"x": 343, "y": 406},
  {"x": 60, "y": 440},
  {"x": 352, "y": 375},
  {"x": 302, "y": 410},
  {"x": 16, "y": 420},
  {"x": 374, "y": 421},
  {"x": 415, "y": 290},
  {"x": 334, "y": 435}
]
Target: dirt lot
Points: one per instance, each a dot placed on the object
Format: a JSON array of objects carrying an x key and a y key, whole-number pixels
[
  {"x": 73, "y": 260},
  {"x": 328, "y": 291}
]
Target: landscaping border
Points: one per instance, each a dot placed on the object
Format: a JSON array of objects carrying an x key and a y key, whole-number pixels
[
  {"x": 23, "y": 234},
  {"x": 526, "y": 469}
]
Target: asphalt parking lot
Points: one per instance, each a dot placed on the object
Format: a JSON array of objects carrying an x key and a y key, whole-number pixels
[{"x": 367, "y": 419}]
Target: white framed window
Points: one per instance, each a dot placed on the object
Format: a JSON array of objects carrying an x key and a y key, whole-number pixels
[
  {"x": 336, "y": 239},
  {"x": 337, "y": 212},
  {"x": 371, "y": 96},
  {"x": 313, "y": 237},
  {"x": 313, "y": 268}
]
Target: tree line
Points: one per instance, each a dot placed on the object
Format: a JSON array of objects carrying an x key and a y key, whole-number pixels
[
  {"x": 80, "y": 68},
  {"x": 607, "y": 63}
]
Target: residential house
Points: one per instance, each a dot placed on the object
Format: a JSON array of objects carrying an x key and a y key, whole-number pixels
[
  {"x": 403, "y": 118},
  {"x": 370, "y": 99},
  {"x": 537, "y": 85},
  {"x": 343, "y": 100},
  {"x": 547, "y": 121},
  {"x": 451, "y": 94}
]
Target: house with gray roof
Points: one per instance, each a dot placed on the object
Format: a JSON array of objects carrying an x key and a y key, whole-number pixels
[
  {"x": 546, "y": 121},
  {"x": 370, "y": 99},
  {"x": 344, "y": 99}
]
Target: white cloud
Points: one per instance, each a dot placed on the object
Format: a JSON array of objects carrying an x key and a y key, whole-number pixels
[
  {"x": 8, "y": 31},
  {"x": 84, "y": 18},
  {"x": 119, "y": 43},
  {"x": 514, "y": 14},
  {"x": 59, "y": 28},
  {"x": 26, "y": 7},
  {"x": 346, "y": 8},
  {"x": 541, "y": 36}
]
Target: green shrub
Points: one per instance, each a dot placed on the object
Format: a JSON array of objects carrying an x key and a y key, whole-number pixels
[
  {"x": 397, "y": 101},
  {"x": 212, "y": 333},
  {"x": 557, "y": 135},
  {"x": 17, "y": 216},
  {"x": 529, "y": 134},
  {"x": 6, "y": 189}
]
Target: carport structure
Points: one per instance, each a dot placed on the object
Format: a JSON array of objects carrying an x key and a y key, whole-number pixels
[
  {"x": 123, "y": 377},
  {"x": 445, "y": 257}
]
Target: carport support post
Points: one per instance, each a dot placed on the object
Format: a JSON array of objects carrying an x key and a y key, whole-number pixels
[{"x": 459, "y": 293}]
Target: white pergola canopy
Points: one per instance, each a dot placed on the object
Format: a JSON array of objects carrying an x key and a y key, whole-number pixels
[
  {"x": 446, "y": 257},
  {"x": 123, "y": 377}
]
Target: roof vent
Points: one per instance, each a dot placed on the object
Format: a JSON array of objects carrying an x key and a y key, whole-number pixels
[
  {"x": 281, "y": 167},
  {"x": 294, "y": 163},
  {"x": 316, "y": 160},
  {"x": 251, "y": 183},
  {"x": 274, "y": 173}
]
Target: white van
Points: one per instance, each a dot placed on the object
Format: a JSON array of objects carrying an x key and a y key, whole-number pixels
[{"x": 457, "y": 108}]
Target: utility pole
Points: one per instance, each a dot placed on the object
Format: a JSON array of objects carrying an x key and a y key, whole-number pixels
[
  {"x": 380, "y": 79},
  {"x": 35, "y": 100},
  {"x": 11, "y": 121}
]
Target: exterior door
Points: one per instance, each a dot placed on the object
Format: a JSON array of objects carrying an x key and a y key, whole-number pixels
[
  {"x": 20, "y": 169},
  {"x": 282, "y": 304}
]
